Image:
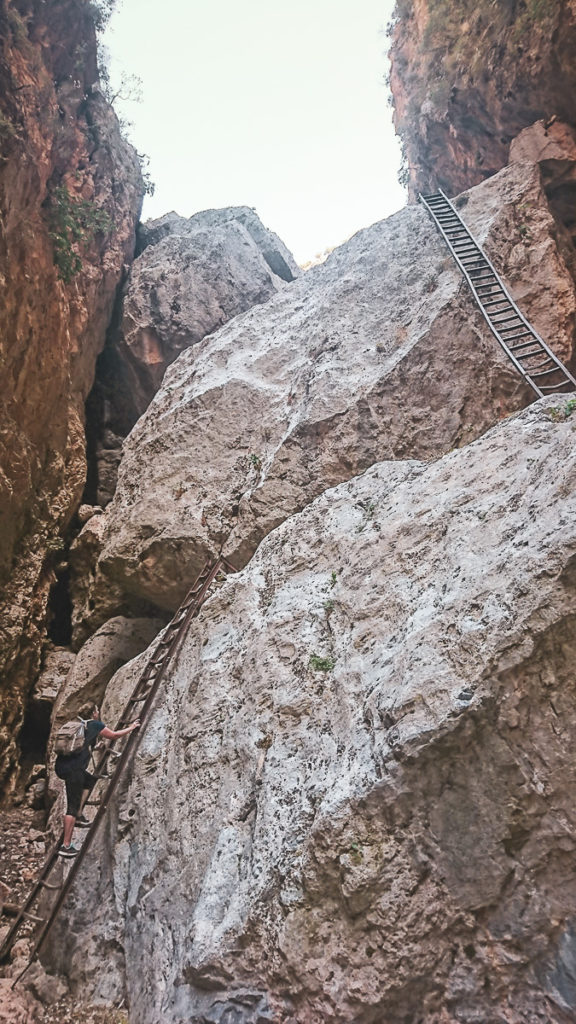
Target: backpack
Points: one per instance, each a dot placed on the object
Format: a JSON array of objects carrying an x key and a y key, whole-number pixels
[{"x": 70, "y": 737}]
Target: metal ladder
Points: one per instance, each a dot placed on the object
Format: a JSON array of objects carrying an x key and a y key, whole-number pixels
[
  {"x": 139, "y": 706},
  {"x": 531, "y": 356}
]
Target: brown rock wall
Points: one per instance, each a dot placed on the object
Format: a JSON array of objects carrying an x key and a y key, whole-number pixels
[
  {"x": 60, "y": 146},
  {"x": 467, "y": 79}
]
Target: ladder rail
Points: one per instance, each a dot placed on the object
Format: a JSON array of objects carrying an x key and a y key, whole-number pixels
[
  {"x": 498, "y": 282},
  {"x": 179, "y": 623}
]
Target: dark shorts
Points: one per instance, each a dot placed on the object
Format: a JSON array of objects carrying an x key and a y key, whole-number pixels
[{"x": 75, "y": 786}]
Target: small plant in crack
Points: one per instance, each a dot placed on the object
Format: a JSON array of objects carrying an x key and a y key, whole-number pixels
[
  {"x": 320, "y": 664},
  {"x": 255, "y": 462},
  {"x": 557, "y": 415},
  {"x": 368, "y": 509}
]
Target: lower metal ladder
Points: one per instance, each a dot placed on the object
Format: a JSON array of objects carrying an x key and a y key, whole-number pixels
[
  {"x": 531, "y": 356},
  {"x": 138, "y": 706}
]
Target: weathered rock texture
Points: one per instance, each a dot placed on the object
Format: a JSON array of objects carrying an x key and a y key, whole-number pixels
[
  {"x": 467, "y": 78},
  {"x": 60, "y": 145},
  {"x": 553, "y": 149},
  {"x": 117, "y": 642},
  {"x": 191, "y": 278},
  {"x": 355, "y": 799},
  {"x": 380, "y": 353}
]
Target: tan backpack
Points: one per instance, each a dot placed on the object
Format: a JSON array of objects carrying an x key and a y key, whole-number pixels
[{"x": 70, "y": 737}]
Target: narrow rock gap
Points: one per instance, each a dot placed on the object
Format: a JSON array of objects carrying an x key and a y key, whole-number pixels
[
  {"x": 59, "y": 616},
  {"x": 109, "y": 417},
  {"x": 35, "y": 733}
]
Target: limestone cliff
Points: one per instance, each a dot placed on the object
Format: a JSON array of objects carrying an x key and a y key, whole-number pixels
[
  {"x": 378, "y": 353},
  {"x": 70, "y": 194},
  {"x": 466, "y": 79},
  {"x": 354, "y": 799},
  {"x": 190, "y": 277},
  {"x": 354, "y": 802}
]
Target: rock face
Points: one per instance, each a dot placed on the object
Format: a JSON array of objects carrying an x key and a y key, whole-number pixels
[
  {"x": 380, "y": 353},
  {"x": 467, "y": 80},
  {"x": 355, "y": 801},
  {"x": 553, "y": 148},
  {"x": 64, "y": 172},
  {"x": 191, "y": 277},
  {"x": 115, "y": 643}
]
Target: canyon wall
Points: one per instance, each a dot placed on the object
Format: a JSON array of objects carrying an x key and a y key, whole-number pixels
[
  {"x": 353, "y": 800},
  {"x": 378, "y": 353},
  {"x": 70, "y": 196},
  {"x": 467, "y": 79}
]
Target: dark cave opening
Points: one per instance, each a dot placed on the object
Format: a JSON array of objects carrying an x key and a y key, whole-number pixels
[
  {"x": 35, "y": 732},
  {"x": 59, "y": 619}
]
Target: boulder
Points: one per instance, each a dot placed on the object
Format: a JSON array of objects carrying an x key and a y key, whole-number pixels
[
  {"x": 354, "y": 800},
  {"x": 379, "y": 353},
  {"x": 115, "y": 643},
  {"x": 192, "y": 276},
  {"x": 17, "y": 1006},
  {"x": 56, "y": 665},
  {"x": 552, "y": 145}
]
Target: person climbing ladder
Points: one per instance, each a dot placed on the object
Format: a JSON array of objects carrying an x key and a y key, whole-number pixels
[{"x": 72, "y": 769}]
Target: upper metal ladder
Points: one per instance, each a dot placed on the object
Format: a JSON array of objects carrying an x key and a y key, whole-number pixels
[
  {"x": 139, "y": 706},
  {"x": 541, "y": 369}
]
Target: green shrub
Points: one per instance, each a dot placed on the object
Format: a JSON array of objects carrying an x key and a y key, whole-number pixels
[
  {"x": 72, "y": 223},
  {"x": 319, "y": 664}
]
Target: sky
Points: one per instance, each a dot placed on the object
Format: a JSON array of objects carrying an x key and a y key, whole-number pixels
[{"x": 278, "y": 106}]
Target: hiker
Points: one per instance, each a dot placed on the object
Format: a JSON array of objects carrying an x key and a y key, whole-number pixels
[{"x": 71, "y": 768}]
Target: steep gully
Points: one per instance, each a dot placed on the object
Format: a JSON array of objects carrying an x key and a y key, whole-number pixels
[{"x": 146, "y": 690}]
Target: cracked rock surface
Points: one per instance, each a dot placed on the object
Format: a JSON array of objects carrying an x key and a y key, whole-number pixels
[
  {"x": 354, "y": 802},
  {"x": 380, "y": 353}
]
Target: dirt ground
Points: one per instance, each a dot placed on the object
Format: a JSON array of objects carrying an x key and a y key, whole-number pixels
[{"x": 23, "y": 848}]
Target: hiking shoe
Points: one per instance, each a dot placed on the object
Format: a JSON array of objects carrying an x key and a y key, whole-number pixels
[
  {"x": 68, "y": 851},
  {"x": 82, "y": 822}
]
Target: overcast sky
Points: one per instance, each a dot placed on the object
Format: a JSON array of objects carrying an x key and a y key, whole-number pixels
[{"x": 279, "y": 106}]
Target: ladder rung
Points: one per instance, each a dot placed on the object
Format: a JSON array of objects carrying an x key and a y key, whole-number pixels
[
  {"x": 142, "y": 697},
  {"x": 498, "y": 302},
  {"x": 547, "y": 360},
  {"x": 511, "y": 327},
  {"x": 554, "y": 387},
  {"x": 543, "y": 373},
  {"x": 48, "y": 885},
  {"x": 504, "y": 319},
  {"x": 526, "y": 344},
  {"x": 526, "y": 355},
  {"x": 33, "y": 917},
  {"x": 523, "y": 334}
]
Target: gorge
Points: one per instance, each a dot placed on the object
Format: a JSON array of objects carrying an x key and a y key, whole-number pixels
[{"x": 353, "y": 800}]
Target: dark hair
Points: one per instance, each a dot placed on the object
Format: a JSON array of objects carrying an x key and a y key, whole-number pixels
[{"x": 88, "y": 710}]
